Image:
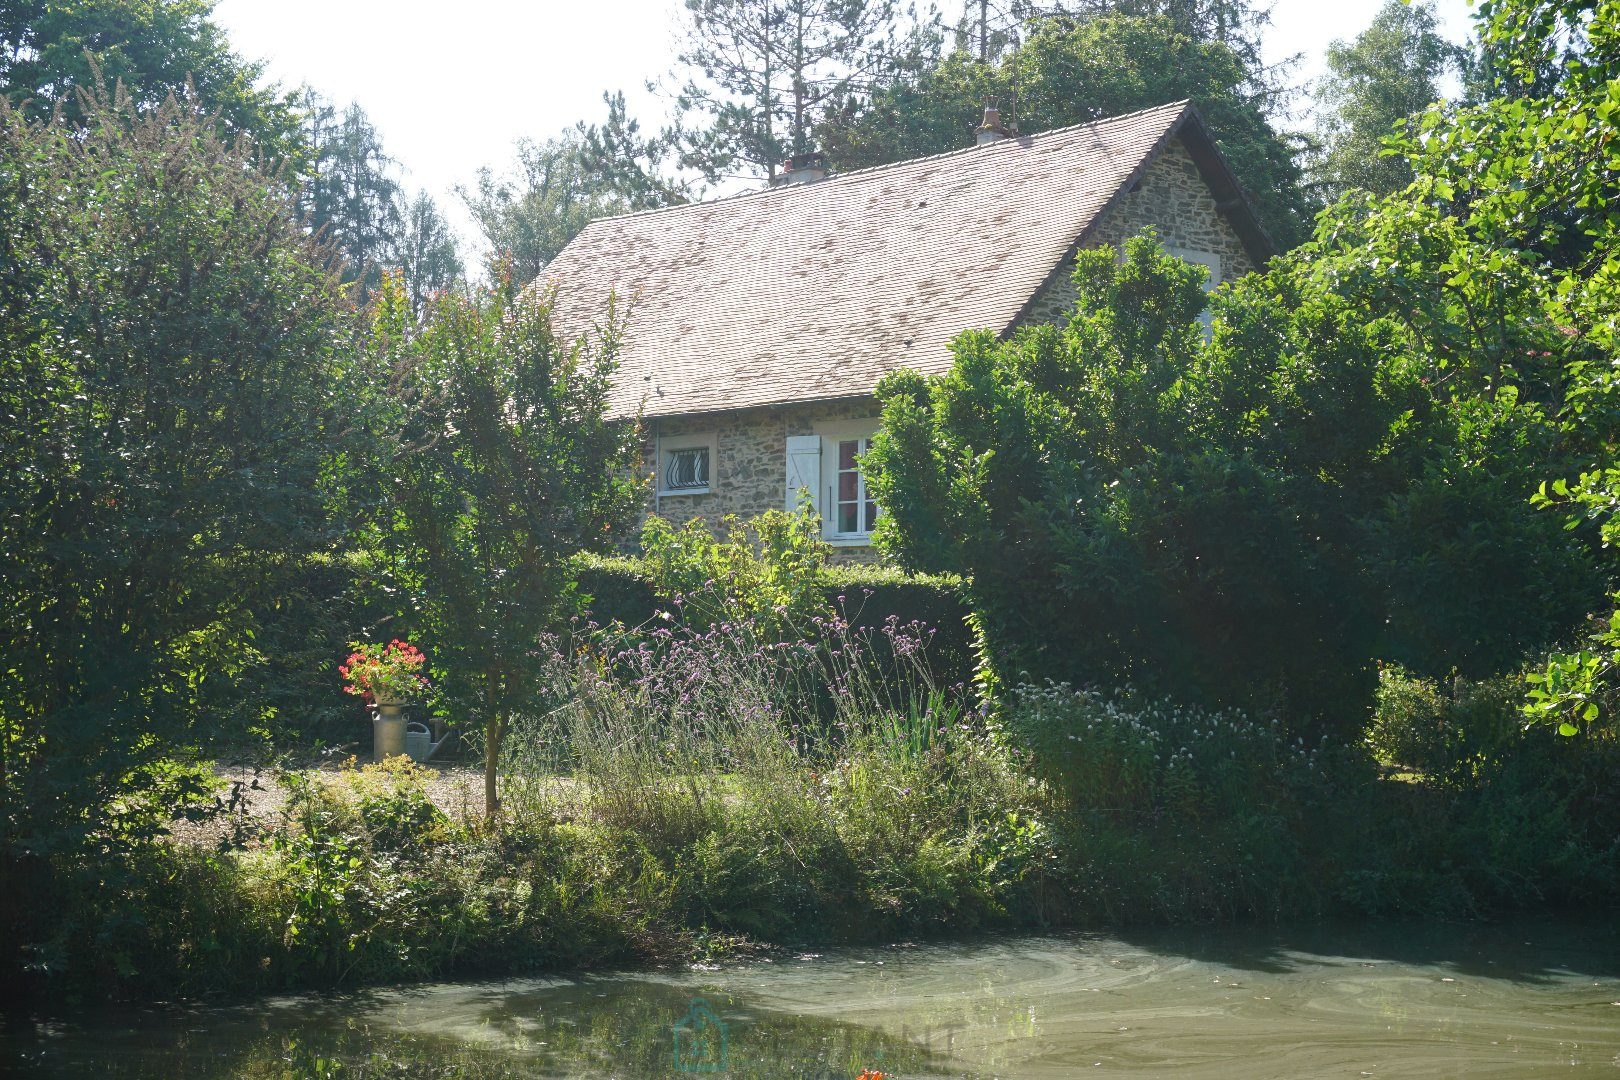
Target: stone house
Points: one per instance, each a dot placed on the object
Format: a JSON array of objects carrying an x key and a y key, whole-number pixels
[{"x": 758, "y": 326}]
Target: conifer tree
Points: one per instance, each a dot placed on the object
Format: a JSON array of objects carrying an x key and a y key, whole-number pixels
[{"x": 765, "y": 71}]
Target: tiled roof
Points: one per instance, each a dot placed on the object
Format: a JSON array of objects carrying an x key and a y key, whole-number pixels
[{"x": 815, "y": 291}]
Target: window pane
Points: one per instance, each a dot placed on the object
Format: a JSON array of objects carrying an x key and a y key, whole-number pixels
[
  {"x": 846, "y": 487},
  {"x": 687, "y": 468},
  {"x": 846, "y": 453},
  {"x": 871, "y": 516},
  {"x": 846, "y": 517}
]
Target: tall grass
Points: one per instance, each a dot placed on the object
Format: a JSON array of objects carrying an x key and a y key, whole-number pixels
[
  {"x": 815, "y": 779},
  {"x": 635, "y": 723}
]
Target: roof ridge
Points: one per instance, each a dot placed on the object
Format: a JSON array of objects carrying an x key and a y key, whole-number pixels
[{"x": 1180, "y": 106}]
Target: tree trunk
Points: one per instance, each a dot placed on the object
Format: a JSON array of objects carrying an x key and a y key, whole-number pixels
[{"x": 494, "y": 728}]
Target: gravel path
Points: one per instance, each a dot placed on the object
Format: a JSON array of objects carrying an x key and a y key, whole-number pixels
[{"x": 455, "y": 788}]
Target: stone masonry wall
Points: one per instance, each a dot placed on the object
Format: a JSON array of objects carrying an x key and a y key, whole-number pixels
[
  {"x": 750, "y": 470},
  {"x": 1172, "y": 199}
]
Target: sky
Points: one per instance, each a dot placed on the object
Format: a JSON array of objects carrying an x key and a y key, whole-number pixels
[{"x": 451, "y": 87}]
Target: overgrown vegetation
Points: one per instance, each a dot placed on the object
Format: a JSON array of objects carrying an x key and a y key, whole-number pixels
[
  {"x": 167, "y": 429},
  {"x": 697, "y": 791}
]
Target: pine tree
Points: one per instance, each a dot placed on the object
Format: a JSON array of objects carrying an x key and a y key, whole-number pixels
[
  {"x": 589, "y": 171},
  {"x": 350, "y": 193},
  {"x": 426, "y": 254},
  {"x": 765, "y": 71}
]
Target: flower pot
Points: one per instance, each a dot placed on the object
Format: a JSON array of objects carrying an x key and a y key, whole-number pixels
[{"x": 388, "y": 731}]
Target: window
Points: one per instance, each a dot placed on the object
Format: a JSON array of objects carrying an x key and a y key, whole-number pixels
[
  {"x": 853, "y": 510},
  {"x": 833, "y": 457},
  {"x": 687, "y": 469},
  {"x": 686, "y": 465}
]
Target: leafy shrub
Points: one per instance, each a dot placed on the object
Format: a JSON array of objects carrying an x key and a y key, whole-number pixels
[
  {"x": 825, "y": 784},
  {"x": 1238, "y": 522},
  {"x": 762, "y": 569},
  {"x": 1179, "y": 812},
  {"x": 1449, "y": 733},
  {"x": 165, "y": 473},
  {"x": 1125, "y": 752},
  {"x": 388, "y": 800}
]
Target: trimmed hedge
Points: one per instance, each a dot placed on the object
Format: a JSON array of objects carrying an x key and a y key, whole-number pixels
[{"x": 619, "y": 588}]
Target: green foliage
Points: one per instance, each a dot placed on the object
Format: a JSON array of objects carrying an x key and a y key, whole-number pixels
[
  {"x": 425, "y": 253},
  {"x": 504, "y": 465},
  {"x": 1514, "y": 196},
  {"x": 765, "y": 570},
  {"x": 649, "y": 828},
  {"x": 812, "y": 786},
  {"x": 1134, "y": 505},
  {"x": 764, "y": 71},
  {"x": 1388, "y": 76},
  {"x": 1452, "y": 734},
  {"x": 348, "y": 191},
  {"x": 626, "y": 591},
  {"x": 1224, "y": 802},
  {"x": 1502, "y": 808},
  {"x": 1075, "y": 70},
  {"x": 170, "y": 343},
  {"x": 154, "y": 49},
  {"x": 559, "y": 186}
]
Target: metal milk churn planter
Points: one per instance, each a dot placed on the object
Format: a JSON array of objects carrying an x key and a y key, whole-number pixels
[{"x": 388, "y": 731}]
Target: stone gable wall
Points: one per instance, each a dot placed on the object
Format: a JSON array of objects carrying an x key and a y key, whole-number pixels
[{"x": 1172, "y": 199}]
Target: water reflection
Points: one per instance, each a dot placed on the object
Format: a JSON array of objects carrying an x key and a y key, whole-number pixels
[{"x": 1519, "y": 1000}]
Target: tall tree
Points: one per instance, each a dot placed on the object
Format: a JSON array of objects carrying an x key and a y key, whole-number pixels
[
  {"x": 1248, "y": 520},
  {"x": 560, "y": 185},
  {"x": 987, "y": 28},
  {"x": 1069, "y": 70},
  {"x": 517, "y": 467},
  {"x": 426, "y": 253},
  {"x": 1524, "y": 182},
  {"x": 350, "y": 192},
  {"x": 1237, "y": 24},
  {"x": 1389, "y": 74},
  {"x": 765, "y": 71},
  {"x": 155, "y": 48},
  {"x": 170, "y": 359}
]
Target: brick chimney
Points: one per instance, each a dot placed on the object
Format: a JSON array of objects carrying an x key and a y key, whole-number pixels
[
  {"x": 801, "y": 169},
  {"x": 993, "y": 130}
]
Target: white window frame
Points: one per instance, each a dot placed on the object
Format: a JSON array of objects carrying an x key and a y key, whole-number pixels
[
  {"x": 831, "y": 434},
  {"x": 669, "y": 444}
]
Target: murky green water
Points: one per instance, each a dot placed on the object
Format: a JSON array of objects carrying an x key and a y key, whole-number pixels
[{"x": 1529, "y": 999}]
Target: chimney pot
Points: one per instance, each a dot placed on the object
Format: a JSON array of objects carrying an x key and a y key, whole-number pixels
[
  {"x": 801, "y": 169},
  {"x": 992, "y": 130}
]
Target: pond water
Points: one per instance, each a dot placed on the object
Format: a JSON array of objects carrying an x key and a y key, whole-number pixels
[{"x": 1525, "y": 999}]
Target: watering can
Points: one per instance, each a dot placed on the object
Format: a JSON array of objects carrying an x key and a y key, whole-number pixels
[{"x": 419, "y": 744}]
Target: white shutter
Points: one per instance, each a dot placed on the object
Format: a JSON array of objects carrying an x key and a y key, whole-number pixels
[{"x": 803, "y": 470}]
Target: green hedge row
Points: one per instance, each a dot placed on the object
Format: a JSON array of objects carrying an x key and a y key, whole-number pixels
[{"x": 619, "y": 588}]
